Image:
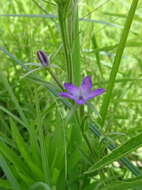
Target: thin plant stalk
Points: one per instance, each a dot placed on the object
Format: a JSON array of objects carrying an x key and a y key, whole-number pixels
[{"x": 68, "y": 19}]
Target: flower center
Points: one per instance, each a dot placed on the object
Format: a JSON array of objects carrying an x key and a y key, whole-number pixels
[{"x": 80, "y": 97}]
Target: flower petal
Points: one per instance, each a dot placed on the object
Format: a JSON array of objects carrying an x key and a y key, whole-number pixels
[
  {"x": 86, "y": 83},
  {"x": 72, "y": 88},
  {"x": 94, "y": 93},
  {"x": 82, "y": 101},
  {"x": 67, "y": 95}
]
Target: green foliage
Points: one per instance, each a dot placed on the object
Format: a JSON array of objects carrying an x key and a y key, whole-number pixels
[
  {"x": 124, "y": 149},
  {"x": 50, "y": 143}
]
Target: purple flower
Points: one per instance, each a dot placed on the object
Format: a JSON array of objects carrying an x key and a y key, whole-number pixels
[
  {"x": 42, "y": 58},
  {"x": 82, "y": 93}
]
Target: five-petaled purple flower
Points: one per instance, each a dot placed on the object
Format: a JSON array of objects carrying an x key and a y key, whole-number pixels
[{"x": 82, "y": 93}]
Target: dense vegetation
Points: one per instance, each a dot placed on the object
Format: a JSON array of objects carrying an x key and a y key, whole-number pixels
[{"x": 48, "y": 142}]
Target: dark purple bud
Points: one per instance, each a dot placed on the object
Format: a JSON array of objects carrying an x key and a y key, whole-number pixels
[{"x": 43, "y": 58}]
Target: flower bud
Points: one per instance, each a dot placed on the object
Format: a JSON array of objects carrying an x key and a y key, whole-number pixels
[{"x": 42, "y": 58}]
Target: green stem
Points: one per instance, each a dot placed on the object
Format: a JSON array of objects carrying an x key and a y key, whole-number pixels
[
  {"x": 81, "y": 123},
  {"x": 69, "y": 25},
  {"x": 55, "y": 78}
]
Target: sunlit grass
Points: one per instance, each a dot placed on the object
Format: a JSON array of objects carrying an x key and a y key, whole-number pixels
[{"x": 47, "y": 142}]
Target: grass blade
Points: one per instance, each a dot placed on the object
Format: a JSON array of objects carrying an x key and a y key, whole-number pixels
[
  {"x": 4, "y": 184},
  {"x": 95, "y": 46},
  {"x": 40, "y": 185},
  {"x": 112, "y": 146},
  {"x": 117, "y": 60},
  {"x": 124, "y": 185},
  {"x": 118, "y": 153},
  {"x": 22, "y": 146},
  {"x": 13, "y": 98},
  {"x": 11, "y": 178}
]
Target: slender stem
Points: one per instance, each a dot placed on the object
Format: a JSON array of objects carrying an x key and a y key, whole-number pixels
[
  {"x": 69, "y": 25},
  {"x": 55, "y": 78},
  {"x": 87, "y": 142},
  {"x": 81, "y": 123}
]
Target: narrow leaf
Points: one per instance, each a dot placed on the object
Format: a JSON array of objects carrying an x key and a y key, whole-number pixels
[
  {"x": 11, "y": 178},
  {"x": 118, "y": 153}
]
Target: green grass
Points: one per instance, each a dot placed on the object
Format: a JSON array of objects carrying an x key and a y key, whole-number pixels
[{"x": 50, "y": 143}]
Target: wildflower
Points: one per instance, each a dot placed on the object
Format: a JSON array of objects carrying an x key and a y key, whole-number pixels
[
  {"x": 42, "y": 58},
  {"x": 82, "y": 93}
]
